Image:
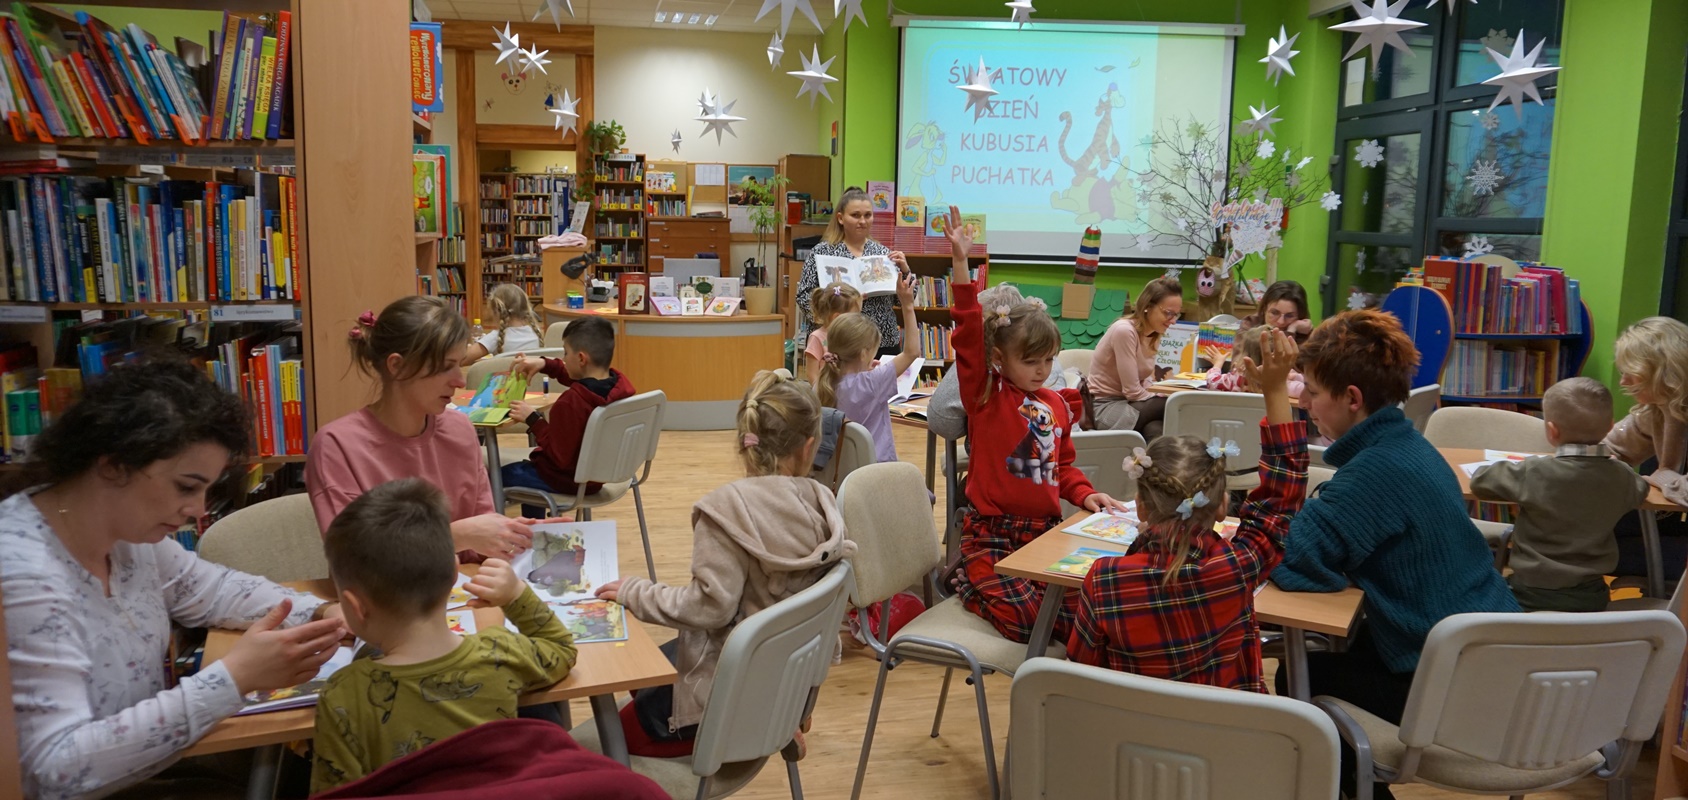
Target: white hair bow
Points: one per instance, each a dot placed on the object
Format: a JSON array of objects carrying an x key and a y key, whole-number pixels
[
  {"x": 1216, "y": 450},
  {"x": 1190, "y": 504},
  {"x": 1137, "y": 462}
]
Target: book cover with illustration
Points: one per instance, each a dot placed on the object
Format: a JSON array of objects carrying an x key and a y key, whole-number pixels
[
  {"x": 1120, "y": 529},
  {"x": 1214, "y": 343},
  {"x": 873, "y": 276},
  {"x": 302, "y": 695},
  {"x": 911, "y": 212},
  {"x": 883, "y": 194},
  {"x": 1177, "y": 352},
  {"x": 936, "y": 216},
  {"x": 569, "y": 560},
  {"x": 491, "y": 402},
  {"x": 1078, "y": 564},
  {"x": 592, "y": 621}
]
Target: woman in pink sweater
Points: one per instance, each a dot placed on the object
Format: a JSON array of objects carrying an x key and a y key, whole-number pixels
[
  {"x": 416, "y": 349},
  {"x": 1124, "y": 366}
]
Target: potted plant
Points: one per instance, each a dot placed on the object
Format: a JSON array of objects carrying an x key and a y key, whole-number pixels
[
  {"x": 758, "y": 292},
  {"x": 604, "y": 138}
]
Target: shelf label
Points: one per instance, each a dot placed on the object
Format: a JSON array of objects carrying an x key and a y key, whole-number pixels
[
  {"x": 260, "y": 312},
  {"x": 12, "y": 313}
]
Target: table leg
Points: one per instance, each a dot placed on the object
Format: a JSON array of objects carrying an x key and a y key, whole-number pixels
[
  {"x": 952, "y": 501},
  {"x": 1295, "y": 664},
  {"x": 266, "y": 771},
  {"x": 1044, "y": 628},
  {"x": 494, "y": 472},
  {"x": 931, "y": 461},
  {"x": 1655, "y": 559},
  {"x": 610, "y": 736}
]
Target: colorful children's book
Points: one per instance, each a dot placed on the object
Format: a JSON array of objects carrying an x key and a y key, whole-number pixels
[
  {"x": 1214, "y": 343},
  {"x": 460, "y": 596},
  {"x": 976, "y": 222},
  {"x": 301, "y": 696},
  {"x": 873, "y": 276},
  {"x": 491, "y": 403},
  {"x": 1120, "y": 529},
  {"x": 883, "y": 194},
  {"x": 1177, "y": 351},
  {"x": 593, "y": 620},
  {"x": 569, "y": 560},
  {"x": 461, "y": 621},
  {"x": 911, "y": 212},
  {"x": 935, "y": 216},
  {"x": 1079, "y": 562}
]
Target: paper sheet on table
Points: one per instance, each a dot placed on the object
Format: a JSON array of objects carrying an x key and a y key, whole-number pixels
[{"x": 1495, "y": 457}]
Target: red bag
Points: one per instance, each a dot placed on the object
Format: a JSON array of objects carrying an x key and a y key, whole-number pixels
[{"x": 904, "y": 607}]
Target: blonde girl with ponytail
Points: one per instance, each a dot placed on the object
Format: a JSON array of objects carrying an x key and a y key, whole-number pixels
[
  {"x": 755, "y": 541},
  {"x": 852, "y": 382},
  {"x": 518, "y": 327},
  {"x": 1179, "y": 604}
]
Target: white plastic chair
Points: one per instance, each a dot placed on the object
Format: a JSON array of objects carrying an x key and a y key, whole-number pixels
[
  {"x": 1230, "y": 416},
  {"x": 1101, "y": 455},
  {"x": 1316, "y": 477},
  {"x": 853, "y": 451},
  {"x": 1488, "y": 429},
  {"x": 276, "y": 539},
  {"x": 770, "y": 672},
  {"x": 616, "y": 451},
  {"x": 1516, "y": 703},
  {"x": 1421, "y": 403},
  {"x": 1078, "y": 731},
  {"x": 1316, "y": 455},
  {"x": 1224, "y": 319},
  {"x": 888, "y": 517},
  {"x": 1075, "y": 358},
  {"x": 554, "y": 333}
]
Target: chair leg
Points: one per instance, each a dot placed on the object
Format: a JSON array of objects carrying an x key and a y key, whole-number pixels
[
  {"x": 703, "y": 788},
  {"x": 1618, "y": 789},
  {"x": 644, "y": 532},
  {"x": 978, "y": 681},
  {"x": 872, "y": 722},
  {"x": 943, "y": 697},
  {"x": 583, "y": 515},
  {"x": 794, "y": 779}
]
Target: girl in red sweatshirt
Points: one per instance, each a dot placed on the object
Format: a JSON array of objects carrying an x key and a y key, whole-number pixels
[{"x": 1017, "y": 435}]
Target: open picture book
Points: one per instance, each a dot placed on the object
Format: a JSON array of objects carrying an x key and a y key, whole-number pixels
[
  {"x": 873, "y": 276},
  {"x": 490, "y": 404},
  {"x": 567, "y": 564}
]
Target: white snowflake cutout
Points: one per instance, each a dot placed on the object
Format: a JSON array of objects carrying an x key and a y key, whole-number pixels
[
  {"x": 1251, "y": 237},
  {"x": 1260, "y": 195},
  {"x": 1357, "y": 300},
  {"x": 1266, "y": 148},
  {"x": 1244, "y": 170},
  {"x": 1331, "y": 201},
  {"x": 1484, "y": 177},
  {"x": 1360, "y": 262},
  {"x": 1370, "y": 153},
  {"x": 1144, "y": 240},
  {"x": 1478, "y": 245},
  {"x": 1490, "y": 121},
  {"x": 1173, "y": 272},
  {"x": 1275, "y": 241},
  {"x": 1305, "y": 160},
  {"x": 1182, "y": 224},
  {"x": 1365, "y": 198},
  {"x": 1497, "y": 41},
  {"x": 1293, "y": 180}
]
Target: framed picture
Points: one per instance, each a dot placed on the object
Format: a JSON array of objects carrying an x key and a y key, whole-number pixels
[{"x": 737, "y": 175}]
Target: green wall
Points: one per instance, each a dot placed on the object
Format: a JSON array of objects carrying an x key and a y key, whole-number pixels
[{"x": 163, "y": 23}]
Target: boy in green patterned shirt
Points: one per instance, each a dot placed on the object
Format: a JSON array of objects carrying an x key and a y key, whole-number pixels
[{"x": 391, "y": 557}]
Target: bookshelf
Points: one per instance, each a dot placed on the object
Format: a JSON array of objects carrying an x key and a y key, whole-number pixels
[{"x": 618, "y": 212}]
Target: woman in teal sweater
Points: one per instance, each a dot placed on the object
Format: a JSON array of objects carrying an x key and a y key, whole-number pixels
[{"x": 1391, "y": 520}]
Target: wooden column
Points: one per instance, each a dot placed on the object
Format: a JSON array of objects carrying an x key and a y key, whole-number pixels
[
  {"x": 583, "y": 82},
  {"x": 469, "y": 181}
]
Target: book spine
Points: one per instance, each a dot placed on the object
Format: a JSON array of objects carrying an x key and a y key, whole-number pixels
[
  {"x": 278, "y": 407},
  {"x": 249, "y": 94},
  {"x": 292, "y": 190},
  {"x": 237, "y": 90},
  {"x": 181, "y": 114},
  {"x": 89, "y": 255},
  {"x": 226, "y": 56},
  {"x": 95, "y": 92},
  {"x": 109, "y": 75},
  {"x": 266, "y": 84},
  {"x": 261, "y": 377},
  {"x": 278, "y": 89},
  {"x": 135, "y": 84},
  {"x": 74, "y": 101},
  {"x": 223, "y": 247},
  {"x": 33, "y": 77},
  {"x": 140, "y": 53}
]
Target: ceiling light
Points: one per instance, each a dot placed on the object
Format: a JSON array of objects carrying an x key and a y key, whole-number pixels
[
  {"x": 711, "y": 19},
  {"x": 679, "y": 19},
  {"x": 661, "y": 16},
  {"x": 694, "y": 19}
]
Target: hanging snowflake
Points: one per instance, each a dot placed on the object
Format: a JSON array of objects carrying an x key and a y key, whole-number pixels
[
  {"x": 1144, "y": 240},
  {"x": 1360, "y": 262},
  {"x": 1490, "y": 121},
  {"x": 1266, "y": 148},
  {"x": 1370, "y": 153},
  {"x": 1365, "y": 198},
  {"x": 1478, "y": 245},
  {"x": 1331, "y": 201},
  {"x": 1182, "y": 224},
  {"x": 1358, "y": 300},
  {"x": 1293, "y": 180},
  {"x": 1251, "y": 237},
  {"x": 1260, "y": 195},
  {"x": 1484, "y": 177},
  {"x": 1142, "y": 198},
  {"x": 1244, "y": 170},
  {"x": 1497, "y": 41},
  {"x": 1173, "y": 272},
  {"x": 1275, "y": 241}
]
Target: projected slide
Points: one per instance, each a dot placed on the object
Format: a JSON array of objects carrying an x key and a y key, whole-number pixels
[{"x": 1076, "y": 108}]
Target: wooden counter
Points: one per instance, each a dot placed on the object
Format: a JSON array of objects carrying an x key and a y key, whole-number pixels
[{"x": 702, "y": 364}]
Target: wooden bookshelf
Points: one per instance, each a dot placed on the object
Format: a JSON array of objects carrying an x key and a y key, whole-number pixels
[{"x": 618, "y": 209}]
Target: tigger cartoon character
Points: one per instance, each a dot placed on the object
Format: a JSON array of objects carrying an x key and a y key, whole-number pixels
[{"x": 1034, "y": 457}]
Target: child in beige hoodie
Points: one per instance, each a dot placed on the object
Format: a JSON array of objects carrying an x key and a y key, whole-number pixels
[{"x": 756, "y": 541}]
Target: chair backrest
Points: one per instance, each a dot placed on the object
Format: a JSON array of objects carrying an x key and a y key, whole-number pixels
[
  {"x": 1535, "y": 691},
  {"x": 770, "y": 669},
  {"x": 1075, "y": 359},
  {"x": 276, "y": 539},
  {"x": 1224, "y": 319},
  {"x": 1421, "y": 403},
  {"x": 620, "y": 439},
  {"x": 853, "y": 451},
  {"x": 1231, "y": 416},
  {"x": 1083, "y": 731},
  {"x": 554, "y": 333},
  {"x": 1316, "y": 455},
  {"x": 1101, "y": 455},
  {"x": 887, "y": 515},
  {"x": 1316, "y": 476},
  {"x": 1487, "y": 429}
]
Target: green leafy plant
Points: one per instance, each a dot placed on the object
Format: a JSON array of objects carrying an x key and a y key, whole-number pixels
[
  {"x": 764, "y": 214},
  {"x": 605, "y": 137}
]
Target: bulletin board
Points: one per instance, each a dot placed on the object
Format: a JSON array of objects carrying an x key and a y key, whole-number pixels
[
  {"x": 708, "y": 182},
  {"x": 682, "y": 175}
]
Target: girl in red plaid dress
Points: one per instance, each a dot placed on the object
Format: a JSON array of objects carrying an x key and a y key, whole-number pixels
[
  {"x": 1017, "y": 436},
  {"x": 1180, "y": 603}
]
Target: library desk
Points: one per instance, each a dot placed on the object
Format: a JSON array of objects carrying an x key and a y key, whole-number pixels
[
  {"x": 702, "y": 364},
  {"x": 600, "y": 670},
  {"x": 1654, "y": 501},
  {"x": 1296, "y": 612}
]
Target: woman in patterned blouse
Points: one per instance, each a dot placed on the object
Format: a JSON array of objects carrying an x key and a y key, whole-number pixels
[
  {"x": 847, "y": 237},
  {"x": 91, "y": 581}
]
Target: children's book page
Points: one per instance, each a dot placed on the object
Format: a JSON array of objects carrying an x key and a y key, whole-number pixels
[
  {"x": 567, "y": 564},
  {"x": 593, "y": 620},
  {"x": 906, "y": 382},
  {"x": 1079, "y": 562},
  {"x": 490, "y": 404},
  {"x": 873, "y": 276},
  {"x": 460, "y": 596},
  {"x": 305, "y": 694},
  {"x": 1120, "y": 529},
  {"x": 461, "y": 621}
]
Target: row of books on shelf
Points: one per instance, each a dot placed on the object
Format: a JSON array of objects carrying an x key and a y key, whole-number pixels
[
  {"x": 932, "y": 293},
  {"x": 96, "y": 81},
  {"x": 270, "y": 374},
  {"x": 495, "y": 215},
  {"x": 624, "y": 254},
  {"x": 85, "y": 239},
  {"x": 457, "y": 302},
  {"x": 620, "y": 200},
  {"x": 453, "y": 250},
  {"x": 620, "y": 230},
  {"x": 495, "y": 189},
  {"x": 495, "y": 241},
  {"x": 1538, "y": 300},
  {"x": 666, "y": 208},
  {"x": 619, "y": 171},
  {"x": 247, "y": 487},
  {"x": 534, "y": 227},
  {"x": 543, "y": 184},
  {"x": 1479, "y": 368},
  {"x": 533, "y": 205},
  {"x": 935, "y": 342},
  {"x": 449, "y": 279}
]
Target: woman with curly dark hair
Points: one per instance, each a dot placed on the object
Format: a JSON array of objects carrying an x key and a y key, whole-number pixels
[{"x": 92, "y": 580}]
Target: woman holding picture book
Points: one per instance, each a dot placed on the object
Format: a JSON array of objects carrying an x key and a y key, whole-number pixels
[{"x": 847, "y": 237}]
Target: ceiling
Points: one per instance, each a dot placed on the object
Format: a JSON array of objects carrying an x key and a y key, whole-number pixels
[{"x": 731, "y": 15}]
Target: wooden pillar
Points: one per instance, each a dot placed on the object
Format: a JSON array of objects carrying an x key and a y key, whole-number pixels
[{"x": 469, "y": 180}]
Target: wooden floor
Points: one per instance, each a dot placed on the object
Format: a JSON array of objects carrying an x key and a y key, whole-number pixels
[{"x": 907, "y": 761}]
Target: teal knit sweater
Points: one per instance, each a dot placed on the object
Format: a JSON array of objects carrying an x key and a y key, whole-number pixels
[{"x": 1392, "y": 521}]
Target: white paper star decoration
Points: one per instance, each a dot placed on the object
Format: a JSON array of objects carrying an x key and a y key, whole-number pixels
[
  {"x": 1518, "y": 75},
  {"x": 847, "y": 10},
  {"x": 1278, "y": 54},
  {"x": 1377, "y": 28},
  {"x": 786, "y": 7},
  {"x": 1260, "y": 121},
  {"x": 556, "y": 8},
  {"x": 716, "y": 117},
  {"x": 814, "y": 76},
  {"x": 534, "y": 58},
  {"x": 507, "y": 45},
  {"x": 419, "y": 10},
  {"x": 676, "y": 139},
  {"x": 1369, "y": 154},
  {"x": 776, "y": 51},
  {"x": 1331, "y": 201},
  {"x": 979, "y": 91},
  {"x": 1485, "y": 176},
  {"x": 1477, "y": 246},
  {"x": 565, "y": 111},
  {"x": 1020, "y": 11},
  {"x": 1304, "y": 162},
  {"x": 1451, "y": 4}
]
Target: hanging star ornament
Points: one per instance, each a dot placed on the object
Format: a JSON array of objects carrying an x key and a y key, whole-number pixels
[
  {"x": 1020, "y": 11},
  {"x": 1278, "y": 54},
  {"x": 786, "y": 7},
  {"x": 676, "y": 139},
  {"x": 979, "y": 91},
  {"x": 847, "y": 10},
  {"x": 776, "y": 51},
  {"x": 556, "y": 8},
  {"x": 507, "y": 44},
  {"x": 1259, "y": 121},
  {"x": 419, "y": 10},
  {"x": 565, "y": 111},
  {"x": 1378, "y": 27},
  {"x": 1451, "y": 4},
  {"x": 1518, "y": 75},
  {"x": 534, "y": 59},
  {"x": 716, "y": 117},
  {"x": 814, "y": 76}
]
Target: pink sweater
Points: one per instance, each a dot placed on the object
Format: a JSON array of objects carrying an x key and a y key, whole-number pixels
[
  {"x": 1123, "y": 366},
  {"x": 356, "y": 453}
]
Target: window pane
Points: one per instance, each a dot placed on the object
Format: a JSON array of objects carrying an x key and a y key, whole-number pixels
[
  {"x": 1381, "y": 198},
  {"x": 1397, "y": 74},
  {"x": 1495, "y": 24},
  {"x": 1518, "y": 247},
  {"x": 1498, "y": 173},
  {"x": 1368, "y": 270}
]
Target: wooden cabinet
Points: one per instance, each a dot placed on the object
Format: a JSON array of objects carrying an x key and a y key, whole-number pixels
[{"x": 687, "y": 237}]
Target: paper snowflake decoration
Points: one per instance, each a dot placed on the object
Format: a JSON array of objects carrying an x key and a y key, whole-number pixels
[
  {"x": 1331, "y": 201},
  {"x": 1360, "y": 262},
  {"x": 1496, "y": 40},
  {"x": 565, "y": 112},
  {"x": 1182, "y": 224},
  {"x": 847, "y": 10},
  {"x": 1518, "y": 75},
  {"x": 1304, "y": 162},
  {"x": 1260, "y": 120},
  {"x": 1357, "y": 300},
  {"x": 1478, "y": 245},
  {"x": 534, "y": 59},
  {"x": 979, "y": 91},
  {"x": 1144, "y": 240},
  {"x": 1484, "y": 177},
  {"x": 1451, "y": 4},
  {"x": 508, "y": 45},
  {"x": 1275, "y": 241},
  {"x": 1365, "y": 197},
  {"x": 1292, "y": 181},
  {"x": 1260, "y": 195},
  {"x": 1020, "y": 11},
  {"x": 776, "y": 51},
  {"x": 814, "y": 77},
  {"x": 715, "y": 116},
  {"x": 1377, "y": 28},
  {"x": 1370, "y": 153},
  {"x": 786, "y": 8},
  {"x": 556, "y": 8},
  {"x": 1489, "y": 120},
  {"x": 676, "y": 139},
  {"x": 1278, "y": 54},
  {"x": 1244, "y": 170},
  {"x": 1266, "y": 148},
  {"x": 1173, "y": 273}
]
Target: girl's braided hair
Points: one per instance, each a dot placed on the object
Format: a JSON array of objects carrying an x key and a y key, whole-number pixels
[{"x": 1181, "y": 468}]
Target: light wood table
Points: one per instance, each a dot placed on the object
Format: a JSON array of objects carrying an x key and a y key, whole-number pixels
[
  {"x": 1297, "y": 612},
  {"x": 1654, "y": 501},
  {"x": 1168, "y": 391},
  {"x": 600, "y": 670}
]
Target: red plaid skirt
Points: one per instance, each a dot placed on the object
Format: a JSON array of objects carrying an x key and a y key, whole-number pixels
[{"x": 1009, "y": 604}]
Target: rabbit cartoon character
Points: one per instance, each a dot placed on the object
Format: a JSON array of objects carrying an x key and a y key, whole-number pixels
[
  {"x": 1034, "y": 458},
  {"x": 927, "y": 140}
]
